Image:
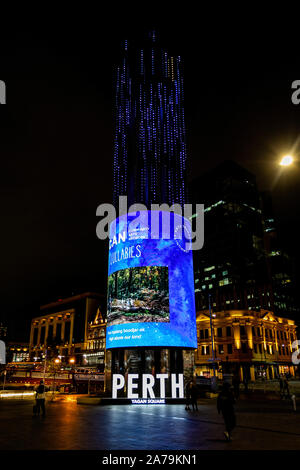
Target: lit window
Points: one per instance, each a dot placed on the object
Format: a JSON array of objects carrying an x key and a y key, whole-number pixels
[
  {"x": 210, "y": 268},
  {"x": 274, "y": 253}
]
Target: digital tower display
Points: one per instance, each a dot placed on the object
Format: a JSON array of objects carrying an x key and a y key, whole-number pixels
[{"x": 150, "y": 282}]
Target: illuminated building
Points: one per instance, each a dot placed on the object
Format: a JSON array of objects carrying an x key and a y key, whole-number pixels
[
  {"x": 95, "y": 341},
  {"x": 281, "y": 265},
  {"x": 17, "y": 352},
  {"x": 241, "y": 265},
  {"x": 253, "y": 344},
  {"x": 149, "y": 146},
  {"x": 64, "y": 327},
  {"x": 231, "y": 266}
]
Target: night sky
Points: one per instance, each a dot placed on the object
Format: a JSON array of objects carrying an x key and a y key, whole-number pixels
[{"x": 56, "y": 142}]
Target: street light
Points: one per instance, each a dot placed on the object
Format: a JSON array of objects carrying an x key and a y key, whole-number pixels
[
  {"x": 287, "y": 160},
  {"x": 214, "y": 379},
  {"x": 56, "y": 361},
  {"x": 4, "y": 378}
]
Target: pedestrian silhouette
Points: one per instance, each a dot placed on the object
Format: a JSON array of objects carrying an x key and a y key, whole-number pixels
[
  {"x": 194, "y": 396},
  {"x": 225, "y": 406},
  {"x": 40, "y": 399}
]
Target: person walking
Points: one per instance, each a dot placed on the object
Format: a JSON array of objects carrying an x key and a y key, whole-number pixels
[
  {"x": 187, "y": 396},
  {"x": 40, "y": 399},
  {"x": 225, "y": 405},
  {"x": 194, "y": 396}
]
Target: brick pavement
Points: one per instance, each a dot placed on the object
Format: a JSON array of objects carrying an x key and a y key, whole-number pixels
[{"x": 261, "y": 425}]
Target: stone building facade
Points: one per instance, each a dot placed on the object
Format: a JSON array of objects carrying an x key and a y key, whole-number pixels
[{"x": 254, "y": 344}]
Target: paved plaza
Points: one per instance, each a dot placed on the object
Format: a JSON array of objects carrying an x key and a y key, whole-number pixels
[{"x": 263, "y": 424}]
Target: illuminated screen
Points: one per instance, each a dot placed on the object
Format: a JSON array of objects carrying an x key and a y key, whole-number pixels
[{"x": 150, "y": 298}]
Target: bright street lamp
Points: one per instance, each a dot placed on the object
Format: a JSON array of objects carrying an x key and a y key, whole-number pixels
[{"x": 287, "y": 160}]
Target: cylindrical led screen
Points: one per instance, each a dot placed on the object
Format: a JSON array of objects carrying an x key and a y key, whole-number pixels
[{"x": 151, "y": 300}]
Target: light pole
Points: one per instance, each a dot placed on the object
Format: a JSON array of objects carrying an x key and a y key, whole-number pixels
[
  {"x": 72, "y": 363},
  {"x": 45, "y": 366},
  {"x": 214, "y": 381},
  {"x": 4, "y": 378},
  {"x": 56, "y": 361}
]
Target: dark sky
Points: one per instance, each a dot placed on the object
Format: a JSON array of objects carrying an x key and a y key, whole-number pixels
[{"x": 56, "y": 138}]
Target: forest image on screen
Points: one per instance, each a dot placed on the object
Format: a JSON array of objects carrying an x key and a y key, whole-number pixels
[
  {"x": 139, "y": 294},
  {"x": 150, "y": 295}
]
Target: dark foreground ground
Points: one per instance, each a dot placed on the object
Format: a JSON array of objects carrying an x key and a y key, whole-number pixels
[{"x": 261, "y": 424}]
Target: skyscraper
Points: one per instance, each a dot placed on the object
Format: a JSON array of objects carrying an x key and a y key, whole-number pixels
[
  {"x": 232, "y": 266},
  {"x": 242, "y": 264},
  {"x": 149, "y": 146}
]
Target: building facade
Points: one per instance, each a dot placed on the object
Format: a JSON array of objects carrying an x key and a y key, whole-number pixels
[
  {"x": 63, "y": 328},
  {"x": 17, "y": 352},
  {"x": 253, "y": 344},
  {"x": 95, "y": 342},
  {"x": 281, "y": 265}
]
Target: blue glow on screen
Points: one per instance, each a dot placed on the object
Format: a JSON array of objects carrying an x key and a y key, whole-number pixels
[{"x": 151, "y": 298}]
